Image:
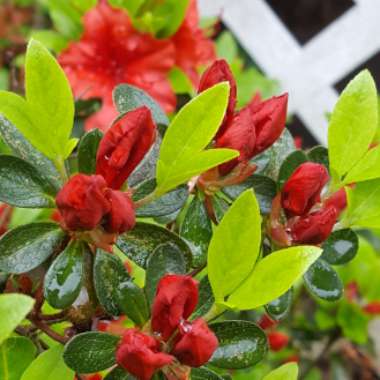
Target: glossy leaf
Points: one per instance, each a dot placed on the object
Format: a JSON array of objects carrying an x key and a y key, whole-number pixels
[
  {"x": 49, "y": 366},
  {"x": 119, "y": 373},
  {"x": 182, "y": 154},
  {"x": 91, "y": 352},
  {"x": 287, "y": 371},
  {"x": 22, "y": 148},
  {"x": 132, "y": 302},
  {"x": 353, "y": 124},
  {"x": 322, "y": 281},
  {"x": 196, "y": 229},
  {"x": 273, "y": 276},
  {"x": 127, "y": 98},
  {"x": 63, "y": 281},
  {"x": 139, "y": 243},
  {"x": 46, "y": 117},
  {"x": 204, "y": 373},
  {"x": 220, "y": 206},
  {"x": 26, "y": 247},
  {"x": 241, "y": 344},
  {"x": 22, "y": 186},
  {"x": 265, "y": 190},
  {"x": 206, "y": 299},
  {"x": 290, "y": 164},
  {"x": 13, "y": 309},
  {"x": 165, "y": 259},
  {"x": 87, "y": 149},
  {"x": 109, "y": 273},
  {"x": 319, "y": 155},
  {"x": 280, "y": 307},
  {"x": 235, "y": 246},
  {"x": 14, "y": 350},
  {"x": 341, "y": 247}
]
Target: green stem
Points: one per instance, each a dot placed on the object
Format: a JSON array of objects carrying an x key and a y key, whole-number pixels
[
  {"x": 60, "y": 165},
  {"x": 215, "y": 312}
]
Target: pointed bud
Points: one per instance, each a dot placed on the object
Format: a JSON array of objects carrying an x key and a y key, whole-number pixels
[{"x": 338, "y": 200}]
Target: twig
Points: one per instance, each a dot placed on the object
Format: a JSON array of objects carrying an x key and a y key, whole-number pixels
[{"x": 48, "y": 331}]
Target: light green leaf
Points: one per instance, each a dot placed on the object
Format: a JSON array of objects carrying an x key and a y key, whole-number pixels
[
  {"x": 287, "y": 371},
  {"x": 353, "y": 124},
  {"x": 182, "y": 152},
  {"x": 49, "y": 366},
  {"x": 14, "y": 350},
  {"x": 180, "y": 82},
  {"x": 13, "y": 309},
  {"x": 226, "y": 47},
  {"x": 132, "y": 6},
  {"x": 51, "y": 39},
  {"x": 235, "y": 245},
  {"x": 273, "y": 276},
  {"x": 46, "y": 117}
]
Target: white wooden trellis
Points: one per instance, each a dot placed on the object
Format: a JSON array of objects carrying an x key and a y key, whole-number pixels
[{"x": 307, "y": 72}]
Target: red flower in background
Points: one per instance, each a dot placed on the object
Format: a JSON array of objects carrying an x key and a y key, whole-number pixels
[
  {"x": 277, "y": 340},
  {"x": 111, "y": 52}
]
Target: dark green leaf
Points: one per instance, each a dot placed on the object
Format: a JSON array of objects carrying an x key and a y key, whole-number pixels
[
  {"x": 265, "y": 190},
  {"x": 204, "y": 374},
  {"x": 139, "y": 243},
  {"x": 88, "y": 146},
  {"x": 220, "y": 206},
  {"x": 127, "y": 98},
  {"x": 280, "y": 307},
  {"x": 164, "y": 205},
  {"x": 109, "y": 273},
  {"x": 341, "y": 247},
  {"x": 26, "y": 247},
  {"x": 22, "y": 186},
  {"x": 290, "y": 164},
  {"x": 132, "y": 302},
  {"x": 63, "y": 280},
  {"x": 206, "y": 299},
  {"x": 166, "y": 258},
  {"x": 22, "y": 148},
  {"x": 14, "y": 350},
  {"x": 119, "y": 374},
  {"x": 241, "y": 344},
  {"x": 197, "y": 231},
  {"x": 320, "y": 155},
  {"x": 91, "y": 352},
  {"x": 322, "y": 281}
]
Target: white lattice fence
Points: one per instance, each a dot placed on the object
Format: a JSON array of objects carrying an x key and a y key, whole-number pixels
[{"x": 308, "y": 72}]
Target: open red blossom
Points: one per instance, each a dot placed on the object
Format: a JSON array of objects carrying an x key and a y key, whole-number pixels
[
  {"x": 139, "y": 354},
  {"x": 372, "y": 308},
  {"x": 269, "y": 117},
  {"x": 176, "y": 298},
  {"x": 303, "y": 189},
  {"x": 277, "y": 340},
  {"x": 111, "y": 52},
  {"x": 124, "y": 145},
  {"x": 195, "y": 343},
  {"x": 192, "y": 47},
  {"x": 315, "y": 227}
]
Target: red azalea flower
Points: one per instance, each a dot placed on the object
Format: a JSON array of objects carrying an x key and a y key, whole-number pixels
[
  {"x": 266, "y": 322},
  {"x": 124, "y": 145},
  {"x": 111, "y": 52},
  {"x": 196, "y": 343},
  {"x": 337, "y": 200},
  {"x": 302, "y": 190},
  {"x": 176, "y": 299},
  {"x": 139, "y": 354},
  {"x": 192, "y": 47},
  {"x": 277, "y": 340},
  {"x": 372, "y": 308},
  {"x": 313, "y": 228}
]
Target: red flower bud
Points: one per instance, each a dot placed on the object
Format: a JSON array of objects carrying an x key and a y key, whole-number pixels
[
  {"x": 266, "y": 322},
  {"x": 277, "y": 340},
  {"x": 5, "y": 217},
  {"x": 139, "y": 354},
  {"x": 82, "y": 202},
  {"x": 314, "y": 228},
  {"x": 219, "y": 72},
  {"x": 337, "y": 200},
  {"x": 372, "y": 308},
  {"x": 352, "y": 291},
  {"x": 302, "y": 190},
  {"x": 176, "y": 299},
  {"x": 124, "y": 145},
  {"x": 239, "y": 134},
  {"x": 269, "y": 118},
  {"x": 196, "y": 343}
]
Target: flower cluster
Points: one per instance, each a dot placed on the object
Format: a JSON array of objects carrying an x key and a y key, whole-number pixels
[
  {"x": 89, "y": 201},
  {"x": 171, "y": 343},
  {"x": 250, "y": 130},
  {"x": 111, "y": 52},
  {"x": 308, "y": 219}
]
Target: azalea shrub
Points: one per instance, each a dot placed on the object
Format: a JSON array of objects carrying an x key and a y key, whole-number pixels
[{"x": 157, "y": 220}]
